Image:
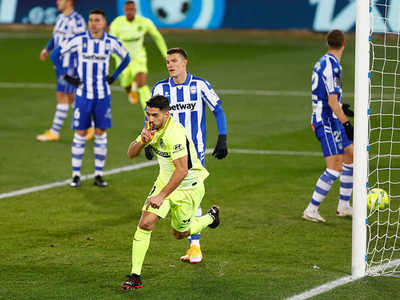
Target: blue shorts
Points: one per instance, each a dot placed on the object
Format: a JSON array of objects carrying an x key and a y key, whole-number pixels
[
  {"x": 63, "y": 86},
  {"x": 85, "y": 108},
  {"x": 332, "y": 137}
]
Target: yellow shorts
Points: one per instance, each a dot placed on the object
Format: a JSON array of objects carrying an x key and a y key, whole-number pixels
[
  {"x": 182, "y": 203},
  {"x": 129, "y": 73}
]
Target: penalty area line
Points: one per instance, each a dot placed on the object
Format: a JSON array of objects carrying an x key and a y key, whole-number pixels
[{"x": 143, "y": 165}]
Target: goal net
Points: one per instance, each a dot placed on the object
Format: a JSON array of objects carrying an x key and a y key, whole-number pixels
[{"x": 383, "y": 167}]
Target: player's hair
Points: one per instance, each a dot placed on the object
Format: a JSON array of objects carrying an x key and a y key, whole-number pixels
[
  {"x": 73, "y": 2},
  {"x": 335, "y": 39},
  {"x": 98, "y": 11},
  {"x": 159, "y": 101},
  {"x": 178, "y": 50},
  {"x": 129, "y": 2}
]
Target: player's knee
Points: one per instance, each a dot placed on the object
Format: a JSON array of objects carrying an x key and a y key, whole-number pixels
[{"x": 179, "y": 235}]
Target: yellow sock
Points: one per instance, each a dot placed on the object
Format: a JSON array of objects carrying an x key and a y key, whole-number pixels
[
  {"x": 200, "y": 223},
  {"x": 141, "y": 242}
]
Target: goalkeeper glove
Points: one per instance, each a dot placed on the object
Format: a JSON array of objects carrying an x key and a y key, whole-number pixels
[
  {"x": 148, "y": 152},
  {"x": 349, "y": 130},
  {"x": 221, "y": 150},
  {"x": 75, "y": 81},
  {"x": 110, "y": 80},
  {"x": 347, "y": 111}
]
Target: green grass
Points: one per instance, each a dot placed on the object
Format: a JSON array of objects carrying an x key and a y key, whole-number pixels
[{"x": 65, "y": 243}]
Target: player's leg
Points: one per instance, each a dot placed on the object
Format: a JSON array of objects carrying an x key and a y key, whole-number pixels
[
  {"x": 346, "y": 180},
  {"x": 103, "y": 120},
  {"x": 64, "y": 93},
  {"x": 141, "y": 240},
  {"x": 80, "y": 123},
  {"x": 143, "y": 89},
  {"x": 332, "y": 148}
]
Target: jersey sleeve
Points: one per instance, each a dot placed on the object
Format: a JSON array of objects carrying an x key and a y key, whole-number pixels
[
  {"x": 177, "y": 145},
  {"x": 71, "y": 46},
  {"x": 332, "y": 79},
  {"x": 118, "y": 49},
  {"x": 209, "y": 96},
  {"x": 157, "y": 37},
  {"x": 80, "y": 25}
]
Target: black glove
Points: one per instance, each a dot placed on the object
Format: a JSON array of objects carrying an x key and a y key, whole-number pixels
[
  {"x": 148, "y": 152},
  {"x": 110, "y": 79},
  {"x": 349, "y": 130},
  {"x": 75, "y": 81},
  {"x": 347, "y": 111},
  {"x": 221, "y": 150}
]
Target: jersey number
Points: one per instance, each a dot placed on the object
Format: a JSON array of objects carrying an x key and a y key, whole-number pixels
[
  {"x": 314, "y": 80},
  {"x": 77, "y": 114}
]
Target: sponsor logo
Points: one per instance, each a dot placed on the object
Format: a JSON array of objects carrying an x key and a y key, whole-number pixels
[
  {"x": 177, "y": 147},
  {"x": 161, "y": 143},
  {"x": 94, "y": 57},
  {"x": 186, "y": 221},
  {"x": 161, "y": 153},
  {"x": 183, "y": 106}
]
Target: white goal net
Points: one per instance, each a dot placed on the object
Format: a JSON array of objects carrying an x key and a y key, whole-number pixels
[{"x": 383, "y": 224}]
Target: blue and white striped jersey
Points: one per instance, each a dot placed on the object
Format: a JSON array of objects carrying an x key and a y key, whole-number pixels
[
  {"x": 187, "y": 104},
  {"x": 326, "y": 80},
  {"x": 93, "y": 57},
  {"x": 65, "y": 28}
]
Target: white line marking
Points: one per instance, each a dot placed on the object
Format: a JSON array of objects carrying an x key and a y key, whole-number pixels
[{"x": 144, "y": 165}]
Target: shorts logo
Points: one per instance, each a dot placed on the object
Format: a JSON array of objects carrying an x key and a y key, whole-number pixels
[
  {"x": 108, "y": 113},
  {"x": 340, "y": 146},
  {"x": 186, "y": 221},
  {"x": 76, "y": 123}
]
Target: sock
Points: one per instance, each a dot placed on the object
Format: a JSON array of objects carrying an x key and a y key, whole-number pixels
[
  {"x": 346, "y": 186},
  {"x": 144, "y": 95},
  {"x": 59, "y": 117},
  {"x": 195, "y": 239},
  {"x": 324, "y": 184},
  {"x": 78, "y": 149},
  {"x": 141, "y": 242},
  {"x": 200, "y": 223},
  {"x": 100, "y": 153}
]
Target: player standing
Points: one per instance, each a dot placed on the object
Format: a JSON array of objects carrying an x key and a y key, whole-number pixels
[
  {"x": 179, "y": 186},
  {"x": 93, "y": 49},
  {"x": 332, "y": 128},
  {"x": 131, "y": 30},
  {"x": 68, "y": 23},
  {"x": 188, "y": 96}
]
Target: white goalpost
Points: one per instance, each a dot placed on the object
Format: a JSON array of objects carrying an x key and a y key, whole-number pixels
[{"x": 376, "y": 232}]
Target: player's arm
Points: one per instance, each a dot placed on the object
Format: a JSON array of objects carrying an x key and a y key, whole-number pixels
[
  {"x": 181, "y": 171},
  {"x": 137, "y": 146},
  {"x": 221, "y": 149},
  {"x": 121, "y": 67},
  {"x": 55, "y": 56},
  {"x": 45, "y": 52},
  {"x": 158, "y": 38},
  {"x": 337, "y": 109}
]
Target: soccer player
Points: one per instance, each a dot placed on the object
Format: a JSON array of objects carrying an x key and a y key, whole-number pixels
[
  {"x": 68, "y": 23},
  {"x": 93, "y": 49},
  {"x": 179, "y": 186},
  {"x": 189, "y": 96},
  {"x": 131, "y": 30},
  {"x": 332, "y": 128}
]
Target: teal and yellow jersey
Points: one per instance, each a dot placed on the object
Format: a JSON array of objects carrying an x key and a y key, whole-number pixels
[
  {"x": 131, "y": 35},
  {"x": 173, "y": 142}
]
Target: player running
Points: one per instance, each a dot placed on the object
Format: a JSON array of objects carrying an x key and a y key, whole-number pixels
[
  {"x": 68, "y": 23},
  {"x": 332, "y": 128},
  {"x": 131, "y": 29},
  {"x": 179, "y": 186},
  {"x": 93, "y": 49}
]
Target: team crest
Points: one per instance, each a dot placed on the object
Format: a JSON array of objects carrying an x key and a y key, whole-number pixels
[
  {"x": 108, "y": 46},
  {"x": 166, "y": 94},
  {"x": 193, "y": 89},
  {"x": 337, "y": 82}
]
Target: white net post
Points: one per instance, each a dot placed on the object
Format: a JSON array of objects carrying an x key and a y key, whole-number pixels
[
  {"x": 361, "y": 91},
  {"x": 383, "y": 231}
]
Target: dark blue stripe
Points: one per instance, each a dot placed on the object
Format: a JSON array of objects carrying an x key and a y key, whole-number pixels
[
  {"x": 315, "y": 202},
  {"x": 77, "y": 156},
  {"x": 193, "y": 91},
  {"x": 347, "y": 172},
  {"x": 96, "y": 48},
  {"x": 99, "y": 168},
  {"x": 346, "y": 185},
  {"x": 100, "y": 157},
  {"x": 179, "y": 95},
  {"x": 344, "y": 198},
  {"x": 182, "y": 117},
  {"x": 195, "y": 129},
  {"x": 84, "y": 42},
  {"x": 167, "y": 92},
  {"x": 321, "y": 191},
  {"x": 76, "y": 168},
  {"x": 84, "y": 75},
  {"x": 94, "y": 74},
  {"x": 203, "y": 125}
]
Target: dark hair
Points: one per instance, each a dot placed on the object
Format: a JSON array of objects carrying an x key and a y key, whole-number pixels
[
  {"x": 335, "y": 39},
  {"x": 73, "y": 2},
  {"x": 129, "y": 2},
  {"x": 159, "y": 101},
  {"x": 98, "y": 11},
  {"x": 178, "y": 50}
]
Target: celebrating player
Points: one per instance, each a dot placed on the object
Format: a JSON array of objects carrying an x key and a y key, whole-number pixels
[
  {"x": 131, "y": 30},
  {"x": 332, "y": 129},
  {"x": 179, "y": 185},
  {"x": 68, "y": 23},
  {"x": 93, "y": 49},
  {"x": 188, "y": 96}
]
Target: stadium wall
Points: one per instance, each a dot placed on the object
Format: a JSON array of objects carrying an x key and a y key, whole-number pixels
[{"x": 316, "y": 15}]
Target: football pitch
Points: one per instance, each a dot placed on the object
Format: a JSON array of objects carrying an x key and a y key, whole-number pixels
[{"x": 63, "y": 243}]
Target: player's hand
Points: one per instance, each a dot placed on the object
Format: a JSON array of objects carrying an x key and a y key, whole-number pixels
[
  {"x": 75, "y": 81},
  {"x": 221, "y": 150},
  {"x": 43, "y": 54},
  {"x": 148, "y": 152},
  {"x": 110, "y": 80},
  {"x": 155, "y": 202},
  {"x": 347, "y": 111},
  {"x": 147, "y": 133},
  {"x": 349, "y": 130}
]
